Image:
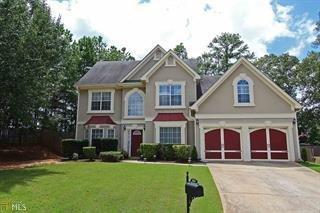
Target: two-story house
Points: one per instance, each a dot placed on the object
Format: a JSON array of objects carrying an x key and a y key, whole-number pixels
[{"x": 241, "y": 115}]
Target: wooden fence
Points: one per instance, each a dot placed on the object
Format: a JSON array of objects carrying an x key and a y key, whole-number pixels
[{"x": 47, "y": 138}]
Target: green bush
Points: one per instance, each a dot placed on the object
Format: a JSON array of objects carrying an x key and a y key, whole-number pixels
[
  {"x": 105, "y": 144},
  {"x": 182, "y": 152},
  {"x": 89, "y": 152},
  {"x": 148, "y": 150},
  {"x": 304, "y": 154},
  {"x": 166, "y": 152},
  {"x": 194, "y": 154},
  {"x": 111, "y": 156},
  {"x": 70, "y": 146},
  {"x": 125, "y": 154}
]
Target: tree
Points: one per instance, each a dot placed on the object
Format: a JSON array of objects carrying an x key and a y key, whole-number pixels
[
  {"x": 32, "y": 44},
  {"x": 282, "y": 70},
  {"x": 224, "y": 51},
  {"x": 309, "y": 87},
  {"x": 316, "y": 42},
  {"x": 81, "y": 55},
  {"x": 181, "y": 51}
]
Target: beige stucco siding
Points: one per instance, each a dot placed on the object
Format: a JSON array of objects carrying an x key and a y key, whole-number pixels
[
  {"x": 83, "y": 114},
  {"x": 222, "y": 99},
  {"x": 174, "y": 73},
  {"x": 145, "y": 68}
]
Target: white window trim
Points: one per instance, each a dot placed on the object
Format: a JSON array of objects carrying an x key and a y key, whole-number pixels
[
  {"x": 181, "y": 124},
  {"x": 170, "y": 65},
  {"x": 183, "y": 85},
  {"x": 242, "y": 76},
  {"x": 90, "y": 136},
  {"x": 126, "y": 102},
  {"x": 101, "y": 111}
]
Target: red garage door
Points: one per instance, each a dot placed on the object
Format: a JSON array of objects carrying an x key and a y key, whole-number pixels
[
  {"x": 222, "y": 144},
  {"x": 277, "y": 141}
]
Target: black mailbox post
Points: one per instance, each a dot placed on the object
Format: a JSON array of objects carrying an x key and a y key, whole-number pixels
[{"x": 193, "y": 190}]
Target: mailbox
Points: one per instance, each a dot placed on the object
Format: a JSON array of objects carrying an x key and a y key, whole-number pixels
[{"x": 194, "y": 189}]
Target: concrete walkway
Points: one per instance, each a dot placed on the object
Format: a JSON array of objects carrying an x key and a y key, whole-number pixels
[{"x": 267, "y": 187}]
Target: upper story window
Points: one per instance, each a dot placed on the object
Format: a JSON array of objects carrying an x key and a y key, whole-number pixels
[
  {"x": 101, "y": 101},
  {"x": 158, "y": 55},
  {"x": 170, "y": 95},
  {"x": 243, "y": 91},
  {"x": 134, "y": 102}
]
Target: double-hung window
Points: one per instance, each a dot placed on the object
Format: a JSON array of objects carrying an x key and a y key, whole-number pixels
[
  {"x": 96, "y": 133},
  {"x": 170, "y": 135},
  {"x": 243, "y": 91},
  {"x": 100, "y": 101},
  {"x": 110, "y": 133},
  {"x": 170, "y": 95}
]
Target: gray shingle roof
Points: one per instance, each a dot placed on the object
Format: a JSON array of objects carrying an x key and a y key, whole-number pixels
[
  {"x": 205, "y": 83},
  {"x": 104, "y": 72}
]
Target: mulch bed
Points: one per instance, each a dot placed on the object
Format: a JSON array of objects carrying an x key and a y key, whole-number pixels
[{"x": 20, "y": 156}]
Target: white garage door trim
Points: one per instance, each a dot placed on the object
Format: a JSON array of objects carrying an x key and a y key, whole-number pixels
[
  {"x": 245, "y": 137},
  {"x": 222, "y": 144},
  {"x": 284, "y": 130}
]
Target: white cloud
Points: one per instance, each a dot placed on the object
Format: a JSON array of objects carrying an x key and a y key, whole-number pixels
[{"x": 139, "y": 27}]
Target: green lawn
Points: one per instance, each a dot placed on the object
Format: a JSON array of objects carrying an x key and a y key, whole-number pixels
[
  {"x": 107, "y": 187},
  {"x": 314, "y": 166}
]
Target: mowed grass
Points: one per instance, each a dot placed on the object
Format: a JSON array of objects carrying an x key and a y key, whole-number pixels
[
  {"x": 107, "y": 187},
  {"x": 314, "y": 166}
]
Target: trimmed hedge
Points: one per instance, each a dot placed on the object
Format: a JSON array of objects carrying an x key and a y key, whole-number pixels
[
  {"x": 182, "y": 152},
  {"x": 89, "y": 152},
  {"x": 105, "y": 144},
  {"x": 111, "y": 156},
  {"x": 166, "y": 152},
  {"x": 70, "y": 146},
  {"x": 148, "y": 150},
  {"x": 194, "y": 154}
]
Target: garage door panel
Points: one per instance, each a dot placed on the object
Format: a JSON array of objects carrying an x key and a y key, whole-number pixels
[
  {"x": 259, "y": 155},
  {"x": 279, "y": 155},
  {"x": 231, "y": 140},
  {"x": 278, "y": 140},
  {"x": 258, "y": 140},
  {"x": 213, "y": 155},
  {"x": 232, "y": 155},
  {"x": 213, "y": 140}
]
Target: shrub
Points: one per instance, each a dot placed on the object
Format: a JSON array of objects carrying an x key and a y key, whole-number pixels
[
  {"x": 111, "y": 156},
  {"x": 70, "y": 146},
  {"x": 105, "y": 144},
  {"x": 89, "y": 152},
  {"x": 148, "y": 150},
  {"x": 166, "y": 152},
  {"x": 304, "y": 154},
  {"x": 182, "y": 152},
  {"x": 194, "y": 154},
  {"x": 125, "y": 154}
]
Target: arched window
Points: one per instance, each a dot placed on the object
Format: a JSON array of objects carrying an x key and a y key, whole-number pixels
[
  {"x": 243, "y": 91},
  {"x": 135, "y": 103}
]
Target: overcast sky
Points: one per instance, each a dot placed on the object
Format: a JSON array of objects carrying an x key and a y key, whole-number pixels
[{"x": 266, "y": 26}]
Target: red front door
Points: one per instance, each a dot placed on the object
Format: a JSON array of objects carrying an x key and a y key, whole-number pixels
[{"x": 136, "y": 140}]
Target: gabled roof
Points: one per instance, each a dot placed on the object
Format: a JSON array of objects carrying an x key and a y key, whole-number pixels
[
  {"x": 104, "y": 72},
  {"x": 183, "y": 64},
  {"x": 258, "y": 74},
  {"x": 143, "y": 62}
]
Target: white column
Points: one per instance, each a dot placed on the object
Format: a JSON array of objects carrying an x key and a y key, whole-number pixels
[
  {"x": 222, "y": 143},
  {"x": 245, "y": 143},
  {"x": 268, "y": 143},
  {"x": 202, "y": 147},
  {"x": 290, "y": 144}
]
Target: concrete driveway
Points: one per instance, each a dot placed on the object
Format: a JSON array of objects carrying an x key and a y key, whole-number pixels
[{"x": 267, "y": 187}]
